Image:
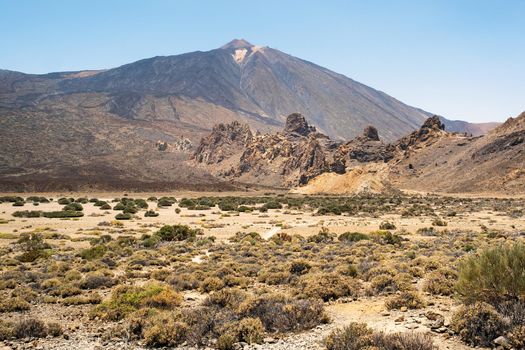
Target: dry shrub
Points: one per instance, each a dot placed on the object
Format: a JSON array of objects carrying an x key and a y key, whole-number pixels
[
  {"x": 516, "y": 337},
  {"x": 410, "y": 300},
  {"x": 211, "y": 284},
  {"x": 440, "y": 282},
  {"x": 479, "y": 324},
  {"x": 14, "y": 304},
  {"x": 328, "y": 286},
  {"x": 355, "y": 336},
  {"x": 227, "y": 297},
  {"x": 281, "y": 314},
  {"x": 250, "y": 330},
  {"x": 164, "y": 330}
]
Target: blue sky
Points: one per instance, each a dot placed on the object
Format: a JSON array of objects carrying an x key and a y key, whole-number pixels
[{"x": 463, "y": 59}]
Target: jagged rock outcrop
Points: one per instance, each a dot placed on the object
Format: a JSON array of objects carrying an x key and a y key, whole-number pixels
[
  {"x": 224, "y": 141},
  {"x": 371, "y": 133},
  {"x": 182, "y": 144},
  {"x": 286, "y": 158},
  {"x": 431, "y": 130},
  {"x": 366, "y": 148},
  {"x": 296, "y": 125},
  {"x": 429, "y": 159},
  {"x": 299, "y": 153}
]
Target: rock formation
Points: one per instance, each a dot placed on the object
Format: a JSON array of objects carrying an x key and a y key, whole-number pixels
[{"x": 223, "y": 142}]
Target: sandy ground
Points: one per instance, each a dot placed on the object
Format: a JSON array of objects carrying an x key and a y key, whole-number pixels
[{"x": 225, "y": 225}]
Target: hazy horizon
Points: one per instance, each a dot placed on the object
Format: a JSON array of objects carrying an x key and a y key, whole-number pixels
[{"x": 461, "y": 60}]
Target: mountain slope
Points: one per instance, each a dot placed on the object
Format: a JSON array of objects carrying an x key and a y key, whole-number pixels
[
  {"x": 260, "y": 85},
  {"x": 105, "y": 127},
  {"x": 457, "y": 163}
]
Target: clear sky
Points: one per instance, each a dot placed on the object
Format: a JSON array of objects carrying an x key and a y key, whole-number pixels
[{"x": 463, "y": 59}]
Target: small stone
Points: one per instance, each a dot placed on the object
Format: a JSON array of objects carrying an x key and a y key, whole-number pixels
[
  {"x": 439, "y": 330},
  {"x": 385, "y": 313},
  {"x": 502, "y": 341},
  {"x": 403, "y": 309},
  {"x": 400, "y": 319}
]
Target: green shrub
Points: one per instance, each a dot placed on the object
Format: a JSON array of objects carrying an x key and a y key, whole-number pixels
[
  {"x": 177, "y": 233},
  {"x": 119, "y": 206},
  {"x": 324, "y": 236},
  {"x": 226, "y": 206},
  {"x": 27, "y": 214},
  {"x": 273, "y": 205},
  {"x": 166, "y": 202},
  {"x": 494, "y": 275},
  {"x": 73, "y": 207},
  {"x": 385, "y": 225},
  {"x": 352, "y": 237},
  {"x": 439, "y": 222},
  {"x": 123, "y": 216},
  {"x": 141, "y": 203},
  {"x": 62, "y": 214},
  {"x": 151, "y": 213},
  {"x": 126, "y": 299},
  {"x": 64, "y": 201},
  {"x": 95, "y": 252}
]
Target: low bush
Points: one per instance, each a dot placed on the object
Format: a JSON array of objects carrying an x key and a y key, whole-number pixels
[
  {"x": 65, "y": 201},
  {"x": 177, "y": 233},
  {"x": 151, "y": 213},
  {"x": 385, "y": 225},
  {"x": 352, "y": 237},
  {"x": 324, "y": 236},
  {"x": 126, "y": 299},
  {"x": 63, "y": 214},
  {"x": 327, "y": 286},
  {"x": 440, "y": 282},
  {"x": 123, "y": 216},
  {"x": 479, "y": 324},
  {"x": 495, "y": 275},
  {"x": 27, "y": 214},
  {"x": 355, "y": 336},
  {"x": 14, "y": 305},
  {"x": 73, "y": 207},
  {"x": 408, "y": 299}
]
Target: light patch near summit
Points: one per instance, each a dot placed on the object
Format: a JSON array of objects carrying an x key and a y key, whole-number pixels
[{"x": 239, "y": 55}]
